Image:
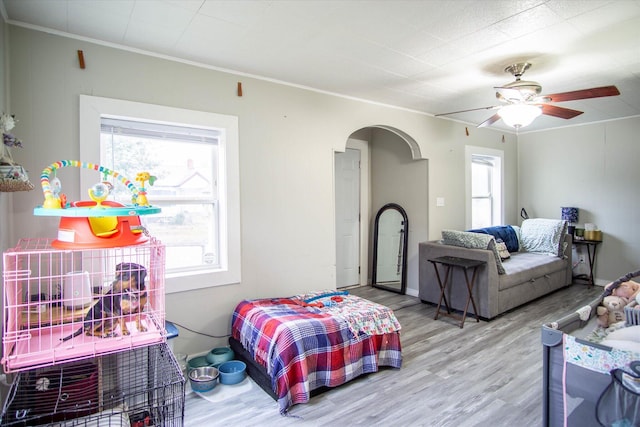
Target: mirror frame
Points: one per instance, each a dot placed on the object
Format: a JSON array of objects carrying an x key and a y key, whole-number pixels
[{"x": 405, "y": 240}]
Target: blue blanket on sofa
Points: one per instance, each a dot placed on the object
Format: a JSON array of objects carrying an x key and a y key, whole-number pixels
[{"x": 504, "y": 232}]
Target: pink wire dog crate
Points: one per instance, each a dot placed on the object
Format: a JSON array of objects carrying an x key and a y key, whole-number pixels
[{"x": 53, "y": 296}]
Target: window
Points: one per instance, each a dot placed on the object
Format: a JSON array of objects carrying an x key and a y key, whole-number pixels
[
  {"x": 484, "y": 187},
  {"x": 185, "y": 162},
  {"x": 194, "y": 157}
]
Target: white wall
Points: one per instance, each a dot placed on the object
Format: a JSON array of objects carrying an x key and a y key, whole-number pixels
[
  {"x": 5, "y": 198},
  {"x": 595, "y": 168},
  {"x": 287, "y": 140},
  {"x": 397, "y": 178}
]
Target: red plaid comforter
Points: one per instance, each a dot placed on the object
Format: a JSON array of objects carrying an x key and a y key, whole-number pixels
[{"x": 305, "y": 347}]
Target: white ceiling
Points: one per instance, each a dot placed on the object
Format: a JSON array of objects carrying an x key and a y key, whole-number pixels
[{"x": 432, "y": 56}]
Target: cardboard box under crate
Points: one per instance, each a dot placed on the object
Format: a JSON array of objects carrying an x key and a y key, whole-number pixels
[
  {"x": 140, "y": 387},
  {"x": 62, "y": 305}
]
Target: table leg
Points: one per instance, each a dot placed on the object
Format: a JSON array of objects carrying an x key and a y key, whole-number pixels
[
  {"x": 443, "y": 286},
  {"x": 470, "y": 296},
  {"x": 592, "y": 262}
]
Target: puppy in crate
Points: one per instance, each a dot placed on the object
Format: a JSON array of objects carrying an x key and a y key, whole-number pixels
[{"x": 125, "y": 300}]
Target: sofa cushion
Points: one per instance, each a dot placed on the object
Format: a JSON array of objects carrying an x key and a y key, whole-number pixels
[
  {"x": 506, "y": 233},
  {"x": 473, "y": 241},
  {"x": 524, "y": 267},
  {"x": 543, "y": 235}
]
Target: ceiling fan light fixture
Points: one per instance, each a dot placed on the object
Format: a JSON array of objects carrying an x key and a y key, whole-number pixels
[{"x": 519, "y": 115}]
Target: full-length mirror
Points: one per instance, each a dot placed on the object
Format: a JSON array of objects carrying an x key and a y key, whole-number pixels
[{"x": 390, "y": 236}]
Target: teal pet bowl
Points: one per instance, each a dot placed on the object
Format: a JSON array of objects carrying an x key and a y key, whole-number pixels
[
  {"x": 232, "y": 372},
  {"x": 219, "y": 355},
  {"x": 197, "y": 362}
]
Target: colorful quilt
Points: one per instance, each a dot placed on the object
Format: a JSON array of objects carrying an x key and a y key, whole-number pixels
[
  {"x": 601, "y": 360},
  {"x": 314, "y": 340}
]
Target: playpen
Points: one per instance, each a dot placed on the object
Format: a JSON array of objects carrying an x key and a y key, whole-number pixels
[{"x": 577, "y": 371}]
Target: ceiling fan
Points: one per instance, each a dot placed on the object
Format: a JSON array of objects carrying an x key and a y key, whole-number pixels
[{"x": 522, "y": 102}]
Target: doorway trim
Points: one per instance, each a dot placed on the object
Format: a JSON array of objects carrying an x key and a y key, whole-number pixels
[{"x": 364, "y": 206}]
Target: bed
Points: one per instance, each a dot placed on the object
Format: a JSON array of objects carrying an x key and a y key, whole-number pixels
[
  {"x": 577, "y": 366},
  {"x": 298, "y": 346}
]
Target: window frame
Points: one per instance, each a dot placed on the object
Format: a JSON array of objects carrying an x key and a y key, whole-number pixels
[
  {"x": 497, "y": 193},
  {"x": 93, "y": 108},
  {"x": 158, "y": 137}
]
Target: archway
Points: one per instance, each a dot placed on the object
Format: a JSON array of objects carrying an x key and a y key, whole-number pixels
[
  {"x": 413, "y": 145},
  {"x": 399, "y": 153}
]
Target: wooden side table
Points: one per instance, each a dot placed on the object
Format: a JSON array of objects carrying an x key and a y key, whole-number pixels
[
  {"x": 592, "y": 246},
  {"x": 465, "y": 264}
]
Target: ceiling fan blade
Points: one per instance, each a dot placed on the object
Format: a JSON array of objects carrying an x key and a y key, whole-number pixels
[
  {"x": 493, "y": 107},
  {"x": 595, "y": 92},
  {"x": 491, "y": 120},
  {"x": 561, "y": 112}
]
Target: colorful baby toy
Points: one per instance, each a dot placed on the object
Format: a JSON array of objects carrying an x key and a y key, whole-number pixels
[
  {"x": 143, "y": 177},
  {"x": 95, "y": 223}
]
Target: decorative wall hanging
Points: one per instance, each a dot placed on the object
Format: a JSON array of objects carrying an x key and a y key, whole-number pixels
[{"x": 13, "y": 177}]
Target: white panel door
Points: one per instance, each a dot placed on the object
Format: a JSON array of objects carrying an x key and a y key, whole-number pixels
[{"x": 347, "y": 170}]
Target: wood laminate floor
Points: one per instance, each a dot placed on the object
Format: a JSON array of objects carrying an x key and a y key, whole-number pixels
[{"x": 486, "y": 374}]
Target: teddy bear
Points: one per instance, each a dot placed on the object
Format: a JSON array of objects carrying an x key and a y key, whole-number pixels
[
  {"x": 635, "y": 303},
  {"x": 628, "y": 290},
  {"x": 611, "y": 310}
]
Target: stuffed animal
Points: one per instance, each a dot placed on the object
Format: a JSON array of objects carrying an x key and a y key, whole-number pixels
[
  {"x": 635, "y": 303},
  {"x": 628, "y": 290},
  {"x": 611, "y": 310}
]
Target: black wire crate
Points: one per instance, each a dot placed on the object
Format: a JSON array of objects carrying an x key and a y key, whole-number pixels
[{"x": 140, "y": 387}]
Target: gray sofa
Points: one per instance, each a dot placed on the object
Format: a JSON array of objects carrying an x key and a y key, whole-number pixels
[{"x": 527, "y": 276}]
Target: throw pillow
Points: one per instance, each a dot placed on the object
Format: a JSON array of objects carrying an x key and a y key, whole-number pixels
[
  {"x": 473, "y": 241},
  {"x": 466, "y": 239},
  {"x": 506, "y": 233},
  {"x": 503, "y": 251},
  {"x": 543, "y": 235}
]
